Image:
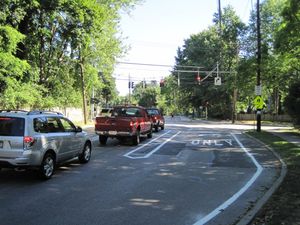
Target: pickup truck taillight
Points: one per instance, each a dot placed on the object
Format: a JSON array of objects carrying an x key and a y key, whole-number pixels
[{"x": 133, "y": 124}]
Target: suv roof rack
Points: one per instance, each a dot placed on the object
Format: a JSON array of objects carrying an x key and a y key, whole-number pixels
[
  {"x": 35, "y": 112},
  {"x": 13, "y": 110}
]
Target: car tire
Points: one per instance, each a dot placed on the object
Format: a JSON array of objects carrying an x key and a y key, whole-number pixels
[
  {"x": 48, "y": 166},
  {"x": 136, "y": 138},
  {"x": 162, "y": 127},
  {"x": 102, "y": 139},
  {"x": 156, "y": 128},
  {"x": 85, "y": 156}
]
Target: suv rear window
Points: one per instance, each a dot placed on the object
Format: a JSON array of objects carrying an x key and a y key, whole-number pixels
[{"x": 11, "y": 126}]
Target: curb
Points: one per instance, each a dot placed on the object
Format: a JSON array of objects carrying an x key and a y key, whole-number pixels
[{"x": 248, "y": 218}]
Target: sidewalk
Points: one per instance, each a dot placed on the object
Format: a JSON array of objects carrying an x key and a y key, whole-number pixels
[
  {"x": 286, "y": 132},
  {"x": 288, "y": 136}
]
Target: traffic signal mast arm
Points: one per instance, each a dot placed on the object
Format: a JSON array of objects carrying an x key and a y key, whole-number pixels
[{"x": 211, "y": 72}]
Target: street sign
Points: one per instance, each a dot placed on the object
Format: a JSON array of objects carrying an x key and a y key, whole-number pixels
[
  {"x": 257, "y": 90},
  {"x": 258, "y": 102},
  {"x": 218, "y": 81}
]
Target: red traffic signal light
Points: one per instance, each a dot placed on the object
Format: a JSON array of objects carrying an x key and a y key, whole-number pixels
[{"x": 198, "y": 79}]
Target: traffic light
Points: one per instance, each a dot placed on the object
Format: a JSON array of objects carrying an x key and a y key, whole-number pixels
[
  {"x": 198, "y": 79},
  {"x": 144, "y": 84},
  {"x": 162, "y": 83},
  {"x": 130, "y": 84}
]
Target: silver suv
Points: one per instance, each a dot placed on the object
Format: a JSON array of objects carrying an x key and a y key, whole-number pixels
[{"x": 40, "y": 139}]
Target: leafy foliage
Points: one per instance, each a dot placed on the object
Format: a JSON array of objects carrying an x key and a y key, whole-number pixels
[
  {"x": 292, "y": 102},
  {"x": 65, "y": 44},
  {"x": 146, "y": 96}
]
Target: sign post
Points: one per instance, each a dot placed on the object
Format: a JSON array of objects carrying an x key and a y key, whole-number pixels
[{"x": 259, "y": 105}]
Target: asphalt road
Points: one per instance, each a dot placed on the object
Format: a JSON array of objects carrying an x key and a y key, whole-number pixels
[{"x": 191, "y": 173}]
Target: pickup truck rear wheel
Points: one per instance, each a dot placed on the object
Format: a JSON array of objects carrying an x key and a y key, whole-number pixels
[
  {"x": 149, "y": 135},
  {"x": 136, "y": 138},
  {"x": 102, "y": 139}
]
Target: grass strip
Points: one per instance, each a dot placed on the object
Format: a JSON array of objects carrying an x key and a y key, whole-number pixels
[{"x": 284, "y": 205}]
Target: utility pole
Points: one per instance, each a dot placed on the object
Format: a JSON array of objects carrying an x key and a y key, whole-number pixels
[
  {"x": 220, "y": 15},
  {"x": 129, "y": 87},
  {"x": 258, "y": 81}
]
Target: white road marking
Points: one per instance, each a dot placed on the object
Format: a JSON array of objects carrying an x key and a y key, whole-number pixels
[
  {"x": 162, "y": 144},
  {"x": 144, "y": 145},
  {"x": 229, "y": 201},
  {"x": 215, "y": 142}
]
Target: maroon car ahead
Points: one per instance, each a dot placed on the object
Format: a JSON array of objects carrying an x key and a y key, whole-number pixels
[{"x": 157, "y": 117}]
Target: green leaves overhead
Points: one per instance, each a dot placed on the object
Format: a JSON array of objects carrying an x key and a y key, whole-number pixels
[{"x": 60, "y": 40}]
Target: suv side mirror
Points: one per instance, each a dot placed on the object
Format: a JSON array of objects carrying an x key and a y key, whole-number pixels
[{"x": 78, "y": 129}]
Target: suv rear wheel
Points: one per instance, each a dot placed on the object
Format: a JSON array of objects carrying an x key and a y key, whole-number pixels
[
  {"x": 47, "y": 166},
  {"x": 85, "y": 156}
]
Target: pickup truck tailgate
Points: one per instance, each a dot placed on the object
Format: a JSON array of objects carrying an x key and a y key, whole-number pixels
[{"x": 114, "y": 124}]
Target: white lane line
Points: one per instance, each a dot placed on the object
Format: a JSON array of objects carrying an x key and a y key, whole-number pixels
[
  {"x": 144, "y": 145},
  {"x": 229, "y": 201}
]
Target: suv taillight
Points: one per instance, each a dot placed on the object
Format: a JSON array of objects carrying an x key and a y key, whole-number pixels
[{"x": 28, "y": 141}]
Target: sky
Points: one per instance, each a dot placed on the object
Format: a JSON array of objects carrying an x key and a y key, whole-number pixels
[{"x": 155, "y": 29}]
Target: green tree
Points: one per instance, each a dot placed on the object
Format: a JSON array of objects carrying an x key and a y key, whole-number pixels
[
  {"x": 15, "y": 89},
  {"x": 145, "y": 96},
  {"x": 292, "y": 103},
  {"x": 66, "y": 44},
  {"x": 208, "y": 49},
  {"x": 273, "y": 79}
]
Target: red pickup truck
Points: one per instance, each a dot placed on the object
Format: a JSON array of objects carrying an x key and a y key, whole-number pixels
[{"x": 125, "y": 122}]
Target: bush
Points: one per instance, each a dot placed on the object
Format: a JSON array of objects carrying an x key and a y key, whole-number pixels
[{"x": 292, "y": 103}]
